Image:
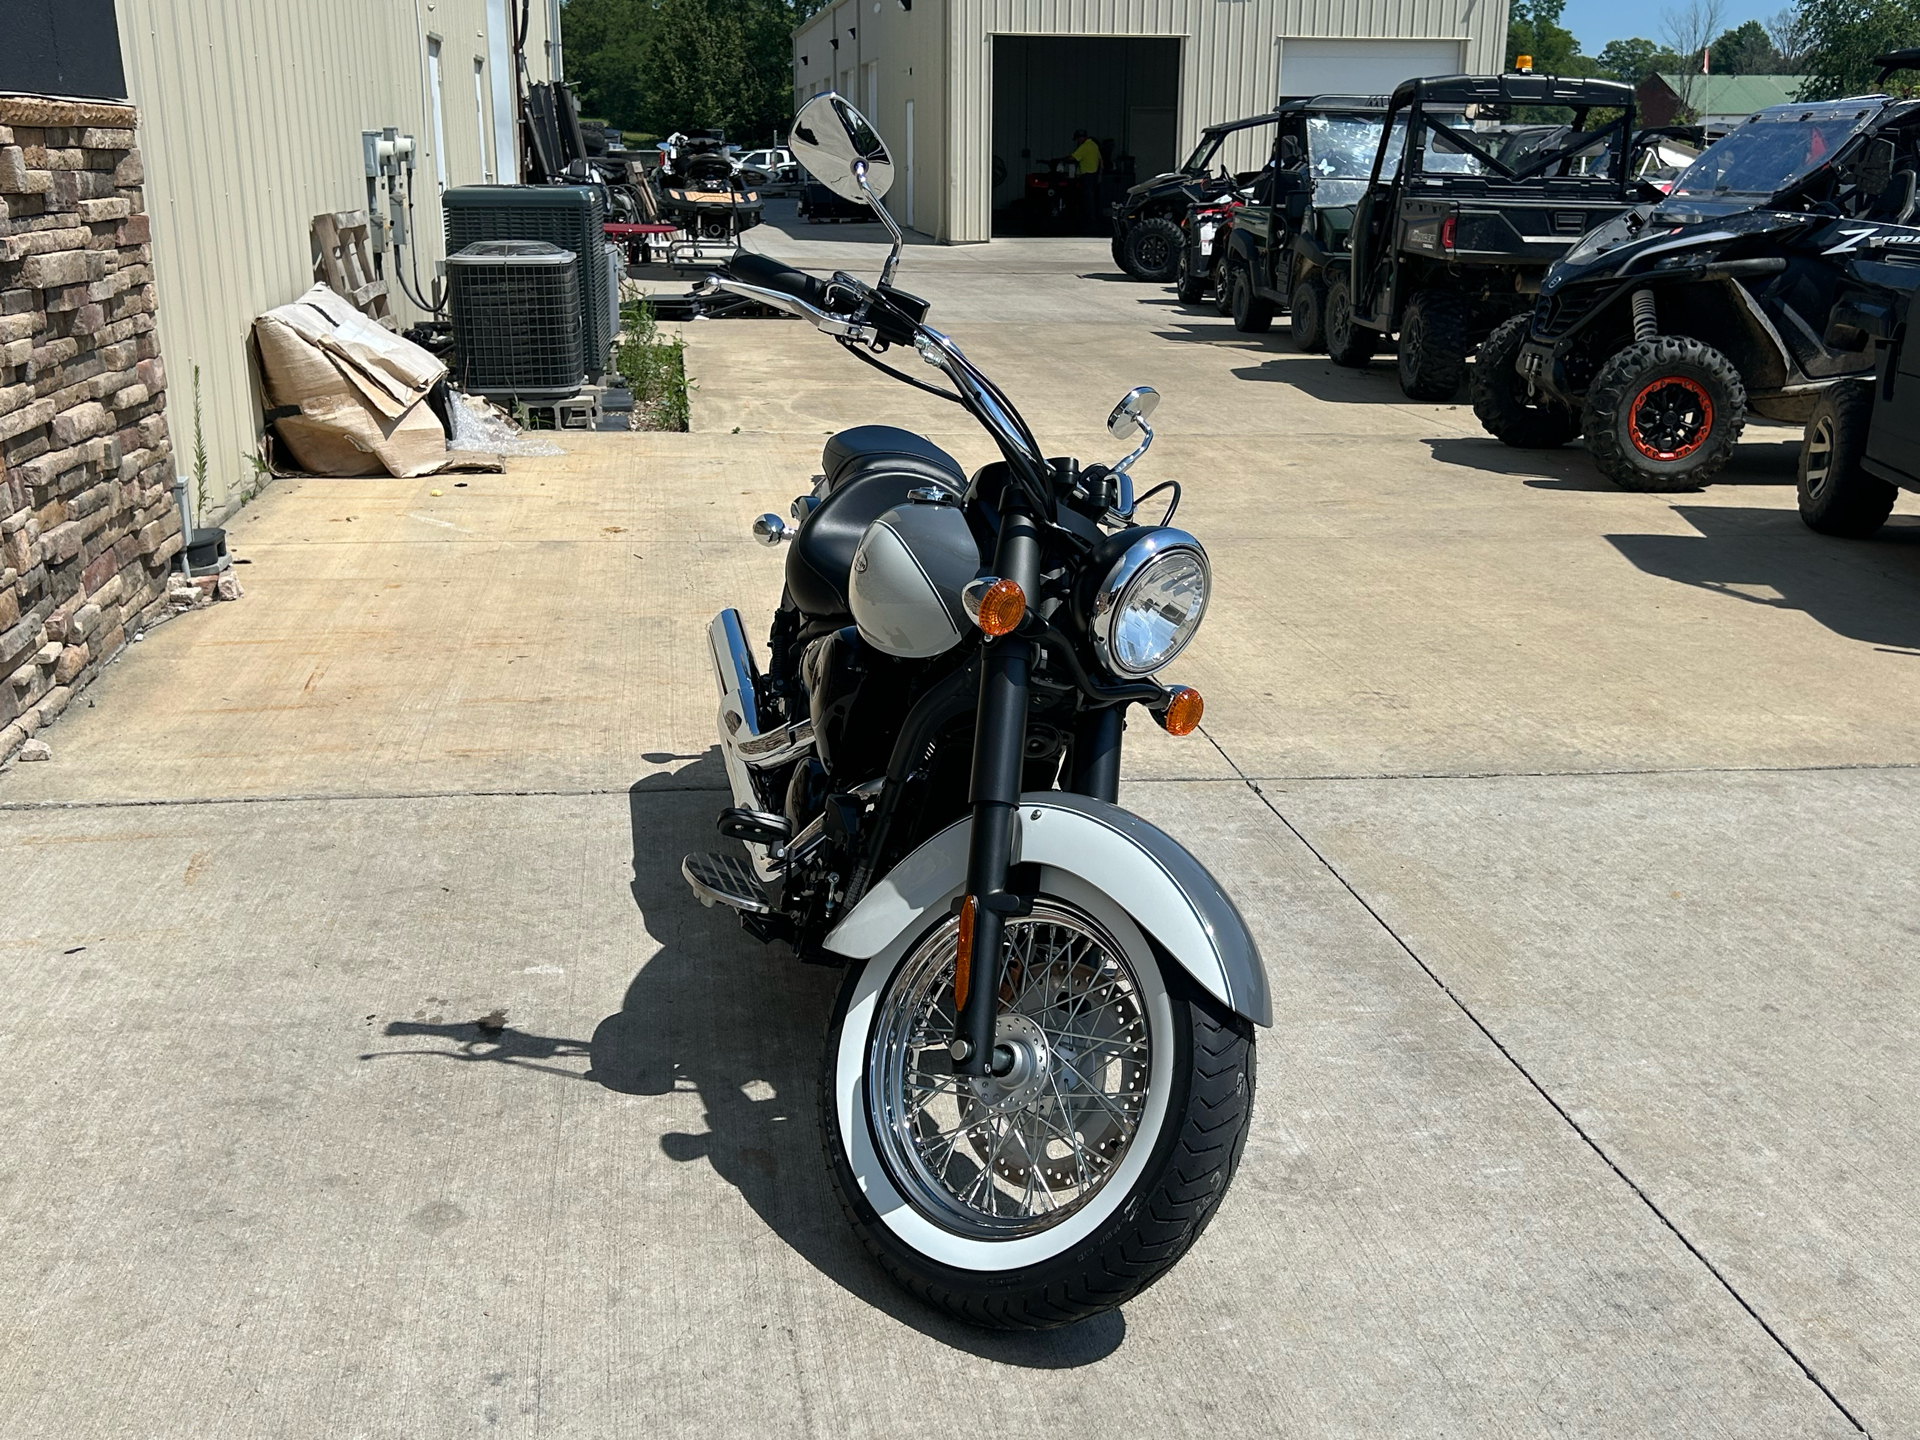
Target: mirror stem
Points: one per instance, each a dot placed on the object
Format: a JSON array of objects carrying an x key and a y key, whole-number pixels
[
  {"x": 886, "y": 219},
  {"x": 1146, "y": 439}
]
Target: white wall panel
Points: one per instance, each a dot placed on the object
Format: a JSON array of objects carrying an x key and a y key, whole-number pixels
[{"x": 250, "y": 115}]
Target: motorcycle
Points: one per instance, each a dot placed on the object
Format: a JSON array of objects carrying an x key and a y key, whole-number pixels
[{"x": 1039, "y": 1072}]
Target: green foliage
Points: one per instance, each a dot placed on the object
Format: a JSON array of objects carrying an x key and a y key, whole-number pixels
[
  {"x": 1745, "y": 50},
  {"x": 1534, "y": 28},
  {"x": 1841, "y": 37},
  {"x": 1634, "y": 60},
  {"x": 200, "y": 469},
  {"x": 655, "y": 369},
  {"x": 664, "y": 65}
]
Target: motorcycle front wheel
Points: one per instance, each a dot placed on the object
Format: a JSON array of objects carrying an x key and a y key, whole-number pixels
[{"x": 1077, "y": 1176}]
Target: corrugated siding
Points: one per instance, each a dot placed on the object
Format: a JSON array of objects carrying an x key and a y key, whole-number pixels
[
  {"x": 251, "y": 113},
  {"x": 1228, "y": 64}
]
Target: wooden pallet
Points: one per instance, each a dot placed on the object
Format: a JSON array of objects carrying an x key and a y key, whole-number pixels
[{"x": 342, "y": 260}]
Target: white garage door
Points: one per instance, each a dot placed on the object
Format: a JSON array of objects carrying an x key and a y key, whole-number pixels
[{"x": 1362, "y": 67}]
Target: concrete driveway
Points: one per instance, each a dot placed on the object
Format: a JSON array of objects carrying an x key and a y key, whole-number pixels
[{"x": 374, "y": 1075}]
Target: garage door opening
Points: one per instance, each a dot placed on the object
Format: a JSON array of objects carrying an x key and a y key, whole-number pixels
[{"x": 1124, "y": 92}]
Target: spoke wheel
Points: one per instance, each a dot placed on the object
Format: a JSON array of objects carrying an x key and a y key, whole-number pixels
[
  {"x": 1016, "y": 1152},
  {"x": 1085, "y": 1166}
]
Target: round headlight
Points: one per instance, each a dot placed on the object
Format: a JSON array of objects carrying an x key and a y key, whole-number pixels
[{"x": 1151, "y": 602}]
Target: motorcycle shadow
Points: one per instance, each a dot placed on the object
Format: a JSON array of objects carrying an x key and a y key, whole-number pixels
[{"x": 743, "y": 1025}]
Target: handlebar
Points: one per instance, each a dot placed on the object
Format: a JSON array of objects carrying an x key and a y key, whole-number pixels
[{"x": 770, "y": 274}]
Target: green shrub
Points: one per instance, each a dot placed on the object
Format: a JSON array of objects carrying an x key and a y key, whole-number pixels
[{"x": 654, "y": 367}]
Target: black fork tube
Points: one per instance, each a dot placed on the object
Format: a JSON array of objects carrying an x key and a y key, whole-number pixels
[{"x": 999, "y": 751}]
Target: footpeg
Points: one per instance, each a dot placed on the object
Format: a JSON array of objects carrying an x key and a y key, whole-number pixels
[
  {"x": 727, "y": 879},
  {"x": 756, "y": 827}
]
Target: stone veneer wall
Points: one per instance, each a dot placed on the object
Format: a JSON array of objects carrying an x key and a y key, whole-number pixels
[{"x": 88, "y": 519}]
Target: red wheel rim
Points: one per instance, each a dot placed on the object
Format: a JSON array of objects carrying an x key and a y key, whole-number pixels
[{"x": 1670, "y": 418}]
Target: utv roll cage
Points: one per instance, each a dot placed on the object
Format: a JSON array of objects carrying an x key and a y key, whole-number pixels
[{"x": 1474, "y": 95}]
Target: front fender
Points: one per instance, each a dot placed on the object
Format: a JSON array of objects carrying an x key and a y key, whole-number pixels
[{"x": 1145, "y": 871}]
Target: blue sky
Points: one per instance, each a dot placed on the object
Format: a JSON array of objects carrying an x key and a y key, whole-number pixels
[{"x": 1595, "y": 22}]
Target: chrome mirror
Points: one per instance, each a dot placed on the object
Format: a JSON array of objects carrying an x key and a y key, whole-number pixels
[
  {"x": 1129, "y": 416},
  {"x": 839, "y": 148},
  {"x": 1136, "y": 407}
]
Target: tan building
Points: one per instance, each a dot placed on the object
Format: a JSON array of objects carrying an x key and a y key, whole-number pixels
[
  {"x": 973, "y": 94},
  {"x": 251, "y": 113}
]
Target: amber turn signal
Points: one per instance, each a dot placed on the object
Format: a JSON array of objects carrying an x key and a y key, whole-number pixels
[
  {"x": 963, "y": 956},
  {"x": 996, "y": 606},
  {"x": 1183, "y": 712}
]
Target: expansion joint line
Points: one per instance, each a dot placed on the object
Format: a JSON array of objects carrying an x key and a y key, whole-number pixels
[{"x": 1540, "y": 1089}]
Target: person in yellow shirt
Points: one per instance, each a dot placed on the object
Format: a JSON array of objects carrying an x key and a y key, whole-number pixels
[{"x": 1086, "y": 155}]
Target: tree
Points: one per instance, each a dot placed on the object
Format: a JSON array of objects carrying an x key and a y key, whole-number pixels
[
  {"x": 1534, "y": 28},
  {"x": 604, "y": 42},
  {"x": 1689, "y": 29},
  {"x": 1634, "y": 60},
  {"x": 666, "y": 65},
  {"x": 1745, "y": 50},
  {"x": 1841, "y": 37}
]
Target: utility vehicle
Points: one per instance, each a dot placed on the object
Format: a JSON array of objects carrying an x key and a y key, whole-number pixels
[
  {"x": 1146, "y": 220},
  {"x": 1661, "y": 330},
  {"x": 1464, "y": 211},
  {"x": 1301, "y": 213},
  {"x": 1862, "y": 442}
]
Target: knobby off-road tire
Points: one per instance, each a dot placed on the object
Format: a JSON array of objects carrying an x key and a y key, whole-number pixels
[
  {"x": 1500, "y": 398},
  {"x": 1153, "y": 249},
  {"x": 1310, "y": 315},
  {"x": 1837, "y": 495},
  {"x": 1119, "y": 248},
  {"x": 1664, "y": 414},
  {"x": 1189, "y": 289},
  {"x": 1251, "y": 314},
  {"x": 1433, "y": 345},
  {"x": 1161, "y": 1189},
  {"x": 1348, "y": 344},
  {"x": 1223, "y": 285}
]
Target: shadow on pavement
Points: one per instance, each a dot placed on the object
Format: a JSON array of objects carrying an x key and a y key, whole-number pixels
[
  {"x": 1863, "y": 589},
  {"x": 743, "y": 1026},
  {"x": 1486, "y": 454}
]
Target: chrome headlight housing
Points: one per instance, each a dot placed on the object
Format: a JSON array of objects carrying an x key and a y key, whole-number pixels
[{"x": 1151, "y": 602}]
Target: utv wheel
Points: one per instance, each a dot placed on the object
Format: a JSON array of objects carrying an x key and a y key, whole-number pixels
[
  {"x": 1251, "y": 314},
  {"x": 1310, "y": 315},
  {"x": 1223, "y": 286},
  {"x": 1348, "y": 344},
  {"x": 1433, "y": 345},
  {"x": 1664, "y": 414},
  {"x": 1153, "y": 249},
  {"x": 1071, "y": 1184},
  {"x": 1837, "y": 495},
  {"x": 1501, "y": 400},
  {"x": 1188, "y": 289},
  {"x": 1119, "y": 248}
]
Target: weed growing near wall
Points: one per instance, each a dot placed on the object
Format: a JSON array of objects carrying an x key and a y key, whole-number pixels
[{"x": 654, "y": 368}]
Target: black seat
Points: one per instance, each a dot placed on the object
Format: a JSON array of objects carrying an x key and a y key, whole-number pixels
[
  {"x": 820, "y": 560},
  {"x": 870, "y": 449}
]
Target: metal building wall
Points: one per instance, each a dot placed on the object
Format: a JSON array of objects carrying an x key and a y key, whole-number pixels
[
  {"x": 250, "y": 121},
  {"x": 1229, "y": 63},
  {"x": 907, "y": 52}
]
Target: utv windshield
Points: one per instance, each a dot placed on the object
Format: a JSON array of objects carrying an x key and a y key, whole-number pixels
[
  {"x": 1203, "y": 153},
  {"x": 1342, "y": 147},
  {"x": 1766, "y": 155}
]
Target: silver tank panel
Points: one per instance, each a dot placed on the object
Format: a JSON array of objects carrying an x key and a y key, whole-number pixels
[{"x": 908, "y": 573}]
